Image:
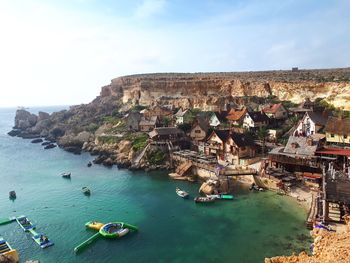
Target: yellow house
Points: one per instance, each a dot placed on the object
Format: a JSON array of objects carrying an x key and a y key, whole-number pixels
[{"x": 338, "y": 130}]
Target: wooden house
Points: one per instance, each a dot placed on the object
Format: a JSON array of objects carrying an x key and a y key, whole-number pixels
[
  {"x": 236, "y": 116},
  {"x": 164, "y": 134},
  {"x": 132, "y": 120},
  {"x": 255, "y": 119},
  {"x": 311, "y": 123},
  {"x": 229, "y": 146},
  {"x": 338, "y": 131},
  {"x": 147, "y": 125},
  {"x": 180, "y": 116},
  {"x": 158, "y": 111},
  {"x": 276, "y": 111},
  {"x": 199, "y": 130}
]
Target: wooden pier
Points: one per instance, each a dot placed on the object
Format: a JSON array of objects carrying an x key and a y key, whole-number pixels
[{"x": 311, "y": 218}]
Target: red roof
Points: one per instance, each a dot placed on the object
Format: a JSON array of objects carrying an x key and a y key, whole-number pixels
[
  {"x": 334, "y": 151},
  {"x": 272, "y": 108}
]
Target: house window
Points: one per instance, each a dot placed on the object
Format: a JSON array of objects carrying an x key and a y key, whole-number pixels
[
  {"x": 345, "y": 136},
  {"x": 332, "y": 135},
  {"x": 197, "y": 131}
]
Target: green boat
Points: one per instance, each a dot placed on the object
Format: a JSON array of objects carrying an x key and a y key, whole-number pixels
[{"x": 226, "y": 197}]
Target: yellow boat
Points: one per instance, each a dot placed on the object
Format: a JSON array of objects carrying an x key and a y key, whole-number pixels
[{"x": 94, "y": 225}]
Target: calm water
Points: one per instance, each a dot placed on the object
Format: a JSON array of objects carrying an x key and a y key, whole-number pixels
[{"x": 248, "y": 229}]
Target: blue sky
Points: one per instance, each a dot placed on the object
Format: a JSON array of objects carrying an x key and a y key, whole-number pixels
[{"x": 62, "y": 52}]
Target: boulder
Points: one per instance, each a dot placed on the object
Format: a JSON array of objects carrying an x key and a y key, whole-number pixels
[
  {"x": 41, "y": 125},
  {"x": 24, "y": 119},
  {"x": 50, "y": 146},
  {"x": 99, "y": 159},
  {"x": 43, "y": 116},
  {"x": 56, "y": 132},
  {"x": 39, "y": 140},
  {"x": 73, "y": 149},
  {"x": 14, "y": 132},
  {"x": 207, "y": 188}
]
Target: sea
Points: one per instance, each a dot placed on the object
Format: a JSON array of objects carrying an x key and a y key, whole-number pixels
[{"x": 253, "y": 226}]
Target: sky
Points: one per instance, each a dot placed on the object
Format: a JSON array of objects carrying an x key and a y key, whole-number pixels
[{"x": 62, "y": 52}]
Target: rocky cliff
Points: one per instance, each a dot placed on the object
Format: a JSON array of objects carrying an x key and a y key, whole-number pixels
[
  {"x": 328, "y": 247},
  {"x": 209, "y": 90}
]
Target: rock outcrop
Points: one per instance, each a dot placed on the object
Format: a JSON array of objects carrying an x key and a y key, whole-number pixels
[{"x": 328, "y": 247}]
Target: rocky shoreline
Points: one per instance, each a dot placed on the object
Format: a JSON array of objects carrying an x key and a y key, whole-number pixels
[{"x": 59, "y": 129}]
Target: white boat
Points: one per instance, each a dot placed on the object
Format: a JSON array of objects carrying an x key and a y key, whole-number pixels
[
  {"x": 204, "y": 199},
  {"x": 181, "y": 193}
]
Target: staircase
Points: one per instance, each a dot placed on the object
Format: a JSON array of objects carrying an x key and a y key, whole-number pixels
[
  {"x": 183, "y": 168},
  {"x": 140, "y": 156},
  {"x": 4, "y": 247}
]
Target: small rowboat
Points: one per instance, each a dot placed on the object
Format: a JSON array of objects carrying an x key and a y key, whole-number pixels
[
  {"x": 181, "y": 193},
  {"x": 86, "y": 190},
  {"x": 66, "y": 175},
  {"x": 202, "y": 199},
  {"x": 24, "y": 223}
]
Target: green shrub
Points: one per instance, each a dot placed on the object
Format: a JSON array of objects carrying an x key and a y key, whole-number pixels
[
  {"x": 92, "y": 127},
  {"x": 156, "y": 157},
  {"x": 108, "y": 139},
  {"x": 139, "y": 142}
]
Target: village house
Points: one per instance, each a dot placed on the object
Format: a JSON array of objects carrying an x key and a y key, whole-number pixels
[
  {"x": 229, "y": 146},
  {"x": 255, "y": 119},
  {"x": 147, "y": 125},
  {"x": 299, "y": 154},
  {"x": 338, "y": 131},
  {"x": 199, "y": 130},
  {"x": 236, "y": 116},
  {"x": 180, "y": 116},
  {"x": 276, "y": 111},
  {"x": 166, "y": 134},
  {"x": 217, "y": 118},
  {"x": 312, "y": 123},
  {"x": 132, "y": 120},
  {"x": 306, "y": 106},
  {"x": 158, "y": 111}
]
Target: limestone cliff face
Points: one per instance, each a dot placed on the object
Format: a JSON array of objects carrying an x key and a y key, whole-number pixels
[{"x": 208, "y": 90}]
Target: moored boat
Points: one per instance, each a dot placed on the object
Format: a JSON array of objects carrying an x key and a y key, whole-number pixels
[
  {"x": 204, "y": 199},
  {"x": 221, "y": 196},
  {"x": 255, "y": 188},
  {"x": 86, "y": 190},
  {"x": 66, "y": 175},
  {"x": 24, "y": 223},
  {"x": 182, "y": 193},
  {"x": 12, "y": 195},
  {"x": 226, "y": 197},
  {"x": 7, "y": 251}
]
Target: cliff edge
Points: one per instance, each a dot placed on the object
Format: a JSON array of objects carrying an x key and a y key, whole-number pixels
[{"x": 210, "y": 90}]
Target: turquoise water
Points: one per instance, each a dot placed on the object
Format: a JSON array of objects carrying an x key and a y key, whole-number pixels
[{"x": 253, "y": 226}]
